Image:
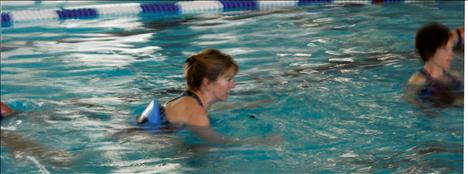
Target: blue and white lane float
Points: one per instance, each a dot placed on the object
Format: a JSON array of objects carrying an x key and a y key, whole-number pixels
[
  {"x": 11, "y": 19},
  {"x": 154, "y": 116}
]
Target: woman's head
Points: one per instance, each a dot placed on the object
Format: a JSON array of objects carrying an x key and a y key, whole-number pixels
[
  {"x": 430, "y": 38},
  {"x": 209, "y": 64}
]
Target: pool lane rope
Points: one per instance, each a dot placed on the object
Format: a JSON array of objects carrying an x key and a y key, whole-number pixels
[{"x": 11, "y": 19}]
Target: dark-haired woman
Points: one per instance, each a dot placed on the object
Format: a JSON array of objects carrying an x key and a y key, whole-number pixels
[{"x": 434, "y": 83}]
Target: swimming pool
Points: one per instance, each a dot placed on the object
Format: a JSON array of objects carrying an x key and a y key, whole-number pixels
[{"x": 332, "y": 78}]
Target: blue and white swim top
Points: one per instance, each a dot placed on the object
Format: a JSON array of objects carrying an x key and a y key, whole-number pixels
[
  {"x": 440, "y": 92},
  {"x": 153, "y": 117}
]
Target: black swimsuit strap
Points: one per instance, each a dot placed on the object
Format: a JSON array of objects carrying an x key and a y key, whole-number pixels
[
  {"x": 452, "y": 79},
  {"x": 426, "y": 74},
  {"x": 195, "y": 96},
  {"x": 189, "y": 94},
  {"x": 429, "y": 77}
]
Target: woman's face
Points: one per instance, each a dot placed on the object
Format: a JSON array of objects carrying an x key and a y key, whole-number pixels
[
  {"x": 222, "y": 86},
  {"x": 443, "y": 55}
]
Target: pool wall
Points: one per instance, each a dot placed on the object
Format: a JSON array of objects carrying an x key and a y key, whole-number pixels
[{"x": 167, "y": 8}]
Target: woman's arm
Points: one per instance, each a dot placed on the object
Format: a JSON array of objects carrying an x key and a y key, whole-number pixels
[
  {"x": 21, "y": 146},
  {"x": 199, "y": 123},
  {"x": 457, "y": 37},
  {"x": 212, "y": 137}
]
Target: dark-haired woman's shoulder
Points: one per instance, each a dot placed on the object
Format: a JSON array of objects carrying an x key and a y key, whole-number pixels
[{"x": 417, "y": 79}]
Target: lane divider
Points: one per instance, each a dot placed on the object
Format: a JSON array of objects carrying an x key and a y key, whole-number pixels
[{"x": 9, "y": 19}]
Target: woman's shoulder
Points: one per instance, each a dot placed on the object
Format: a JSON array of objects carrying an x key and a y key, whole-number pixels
[
  {"x": 187, "y": 110},
  {"x": 417, "y": 79},
  {"x": 182, "y": 103}
]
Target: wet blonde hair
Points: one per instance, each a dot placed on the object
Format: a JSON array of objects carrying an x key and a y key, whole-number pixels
[{"x": 209, "y": 63}]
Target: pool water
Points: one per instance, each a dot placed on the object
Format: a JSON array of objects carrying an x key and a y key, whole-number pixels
[{"x": 329, "y": 80}]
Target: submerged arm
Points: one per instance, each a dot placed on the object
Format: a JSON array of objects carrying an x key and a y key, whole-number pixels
[
  {"x": 199, "y": 124},
  {"x": 21, "y": 146},
  {"x": 212, "y": 137},
  {"x": 209, "y": 135}
]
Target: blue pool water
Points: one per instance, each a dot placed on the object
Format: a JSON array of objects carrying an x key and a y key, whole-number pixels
[{"x": 330, "y": 79}]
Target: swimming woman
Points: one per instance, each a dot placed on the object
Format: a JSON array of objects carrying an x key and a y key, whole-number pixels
[
  {"x": 434, "y": 83},
  {"x": 209, "y": 78}
]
